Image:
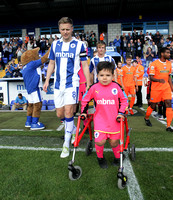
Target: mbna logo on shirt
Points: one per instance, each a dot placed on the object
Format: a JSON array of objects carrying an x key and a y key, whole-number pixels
[{"x": 64, "y": 54}]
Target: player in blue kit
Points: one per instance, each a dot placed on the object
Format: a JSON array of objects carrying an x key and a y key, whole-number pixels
[
  {"x": 65, "y": 56},
  {"x": 100, "y": 57}
]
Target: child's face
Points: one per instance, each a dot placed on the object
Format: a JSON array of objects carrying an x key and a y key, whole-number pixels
[{"x": 105, "y": 77}]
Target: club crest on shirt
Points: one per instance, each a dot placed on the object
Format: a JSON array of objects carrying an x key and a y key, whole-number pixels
[
  {"x": 152, "y": 67},
  {"x": 74, "y": 94},
  {"x": 96, "y": 134},
  {"x": 72, "y": 45},
  {"x": 114, "y": 91}
]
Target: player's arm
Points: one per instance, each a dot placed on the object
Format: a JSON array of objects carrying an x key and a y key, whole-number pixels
[
  {"x": 170, "y": 82},
  {"x": 115, "y": 75},
  {"x": 156, "y": 80},
  {"x": 92, "y": 77},
  {"x": 86, "y": 72},
  {"x": 50, "y": 70},
  {"x": 121, "y": 79}
]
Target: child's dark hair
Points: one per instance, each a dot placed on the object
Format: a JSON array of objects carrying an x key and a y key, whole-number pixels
[{"x": 110, "y": 66}]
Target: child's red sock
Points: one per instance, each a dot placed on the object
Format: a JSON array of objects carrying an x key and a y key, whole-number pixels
[
  {"x": 116, "y": 151},
  {"x": 99, "y": 151}
]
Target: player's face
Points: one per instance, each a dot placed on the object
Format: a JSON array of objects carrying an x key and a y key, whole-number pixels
[
  {"x": 128, "y": 61},
  {"x": 101, "y": 49},
  {"x": 119, "y": 65},
  {"x": 66, "y": 31},
  {"x": 105, "y": 77},
  {"x": 167, "y": 54}
]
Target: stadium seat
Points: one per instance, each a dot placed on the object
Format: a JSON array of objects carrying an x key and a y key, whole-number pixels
[
  {"x": 5, "y": 60},
  {"x": 50, "y": 104},
  {"x": 44, "y": 105}
]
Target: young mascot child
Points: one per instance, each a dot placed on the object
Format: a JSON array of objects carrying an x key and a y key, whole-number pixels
[{"x": 111, "y": 104}]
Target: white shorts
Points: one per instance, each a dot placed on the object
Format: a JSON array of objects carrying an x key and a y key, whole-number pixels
[
  {"x": 35, "y": 97},
  {"x": 67, "y": 96}
]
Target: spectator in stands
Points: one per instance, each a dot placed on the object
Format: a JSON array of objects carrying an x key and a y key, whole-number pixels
[
  {"x": 147, "y": 37},
  {"x": 8, "y": 72},
  {"x": 149, "y": 56},
  {"x": 50, "y": 39},
  {"x": 160, "y": 45},
  {"x": 141, "y": 37},
  {"x": 26, "y": 39},
  {"x": 92, "y": 33},
  {"x": 14, "y": 49},
  {"x": 10, "y": 49},
  {"x": 19, "y": 53},
  {"x": 38, "y": 41},
  {"x": 23, "y": 48},
  {"x": 154, "y": 49},
  {"x": 43, "y": 45},
  {"x": 139, "y": 47},
  {"x": 145, "y": 48},
  {"x": 102, "y": 36},
  {"x": 128, "y": 50},
  {"x": 117, "y": 43},
  {"x": 18, "y": 70},
  {"x": 135, "y": 35},
  {"x": 82, "y": 35},
  {"x": 133, "y": 48},
  {"x": 30, "y": 45},
  {"x": 13, "y": 65},
  {"x": 6, "y": 50},
  {"x": 167, "y": 42},
  {"x": 157, "y": 37},
  {"x": 85, "y": 42},
  {"x": 139, "y": 61},
  {"x": 92, "y": 41},
  {"x": 20, "y": 102},
  {"x": 171, "y": 50},
  {"x": 56, "y": 37},
  {"x": 129, "y": 37},
  {"x": 124, "y": 44}
]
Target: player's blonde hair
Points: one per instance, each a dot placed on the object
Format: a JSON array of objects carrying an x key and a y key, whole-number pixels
[{"x": 65, "y": 20}]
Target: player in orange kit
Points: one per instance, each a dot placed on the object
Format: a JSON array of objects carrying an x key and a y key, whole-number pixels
[
  {"x": 119, "y": 73},
  {"x": 130, "y": 81},
  {"x": 139, "y": 76},
  {"x": 161, "y": 86}
]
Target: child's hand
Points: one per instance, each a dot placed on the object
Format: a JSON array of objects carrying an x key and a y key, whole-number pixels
[
  {"x": 119, "y": 116},
  {"x": 83, "y": 116}
]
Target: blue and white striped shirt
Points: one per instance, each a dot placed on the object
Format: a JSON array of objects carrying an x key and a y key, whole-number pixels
[{"x": 67, "y": 56}]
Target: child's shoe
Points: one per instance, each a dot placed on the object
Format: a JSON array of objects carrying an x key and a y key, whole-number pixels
[
  {"x": 37, "y": 126},
  {"x": 102, "y": 163},
  {"x": 131, "y": 111},
  {"x": 65, "y": 152}
]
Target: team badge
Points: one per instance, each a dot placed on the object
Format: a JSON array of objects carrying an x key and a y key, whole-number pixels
[
  {"x": 152, "y": 67},
  {"x": 164, "y": 67},
  {"x": 74, "y": 94},
  {"x": 96, "y": 134},
  {"x": 106, "y": 59},
  {"x": 114, "y": 91},
  {"x": 72, "y": 45}
]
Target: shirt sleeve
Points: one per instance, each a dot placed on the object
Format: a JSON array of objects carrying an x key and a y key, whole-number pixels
[
  {"x": 123, "y": 100},
  {"x": 86, "y": 99},
  {"x": 91, "y": 67},
  {"x": 51, "y": 54},
  {"x": 83, "y": 53},
  {"x": 152, "y": 69},
  {"x": 16, "y": 100}
]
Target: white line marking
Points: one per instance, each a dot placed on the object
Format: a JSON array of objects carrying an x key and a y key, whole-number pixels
[
  {"x": 81, "y": 149},
  {"x": 24, "y": 130},
  {"x": 132, "y": 183}
]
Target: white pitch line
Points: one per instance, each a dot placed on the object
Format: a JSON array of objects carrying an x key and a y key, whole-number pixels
[
  {"x": 23, "y": 130},
  {"x": 147, "y": 149},
  {"x": 132, "y": 183}
]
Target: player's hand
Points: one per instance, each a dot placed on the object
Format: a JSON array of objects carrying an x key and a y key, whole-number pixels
[
  {"x": 45, "y": 86},
  {"x": 161, "y": 81},
  {"x": 136, "y": 88}
]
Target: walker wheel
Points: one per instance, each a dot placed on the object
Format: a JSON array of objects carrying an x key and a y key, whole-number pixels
[
  {"x": 121, "y": 186},
  {"x": 89, "y": 148},
  {"x": 133, "y": 153},
  {"x": 76, "y": 175}
]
